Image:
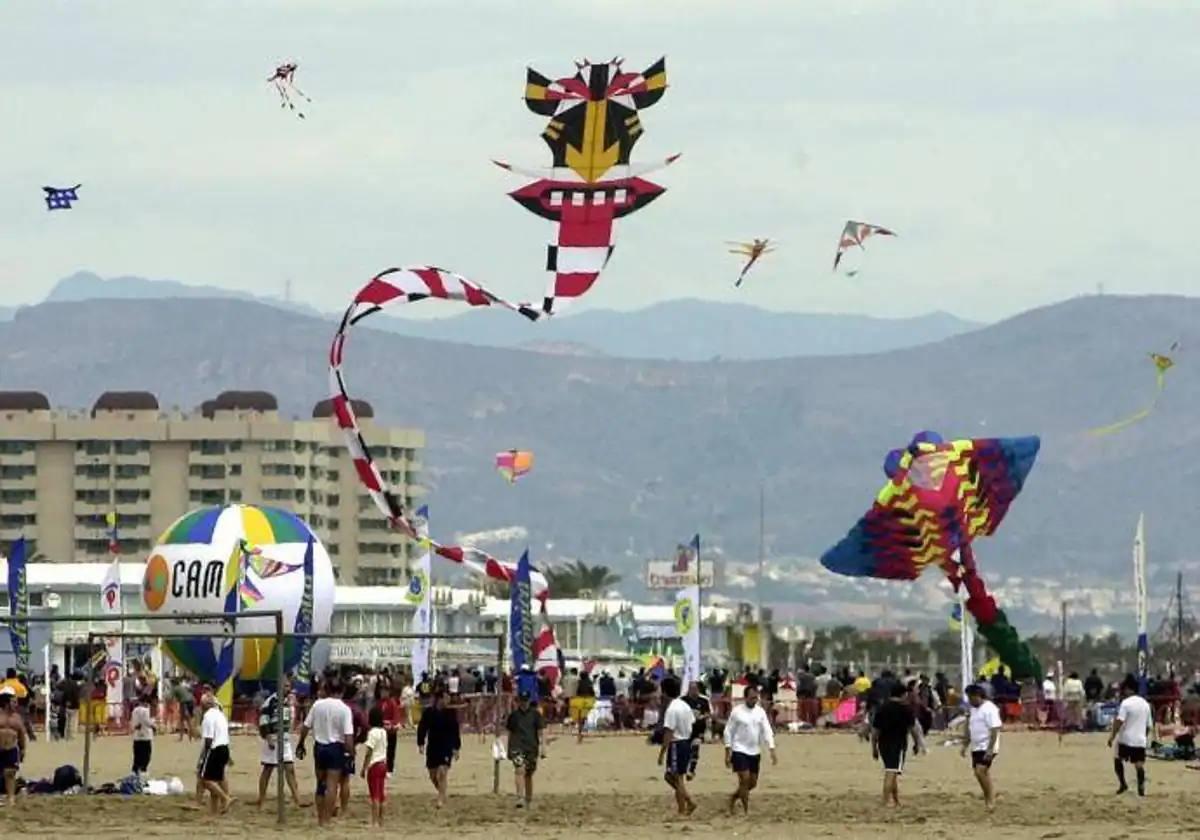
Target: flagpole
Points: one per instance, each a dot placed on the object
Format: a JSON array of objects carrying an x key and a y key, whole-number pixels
[{"x": 699, "y": 610}]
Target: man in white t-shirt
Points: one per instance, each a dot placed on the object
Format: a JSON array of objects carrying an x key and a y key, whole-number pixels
[
  {"x": 983, "y": 738},
  {"x": 332, "y": 727},
  {"x": 1131, "y": 730},
  {"x": 747, "y": 729},
  {"x": 677, "y": 744},
  {"x": 214, "y": 732}
]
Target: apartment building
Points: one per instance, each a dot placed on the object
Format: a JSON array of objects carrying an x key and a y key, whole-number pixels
[{"x": 63, "y": 471}]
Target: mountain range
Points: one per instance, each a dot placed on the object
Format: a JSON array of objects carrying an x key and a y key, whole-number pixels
[
  {"x": 688, "y": 330},
  {"x": 634, "y": 456}
]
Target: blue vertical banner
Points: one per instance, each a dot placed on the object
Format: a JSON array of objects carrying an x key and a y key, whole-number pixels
[
  {"x": 520, "y": 621},
  {"x": 688, "y": 617},
  {"x": 304, "y": 627},
  {"x": 18, "y": 606}
]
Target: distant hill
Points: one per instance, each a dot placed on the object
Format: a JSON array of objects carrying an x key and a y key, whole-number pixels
[
  {"x": 635, "y": 455},
  {"x": 688, "y": 330}
]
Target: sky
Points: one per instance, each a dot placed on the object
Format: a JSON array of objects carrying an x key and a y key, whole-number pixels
[{"x": 1025, "y": 152}]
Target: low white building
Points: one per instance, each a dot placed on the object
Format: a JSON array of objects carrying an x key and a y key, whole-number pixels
[{"x": 610, "y": 630}]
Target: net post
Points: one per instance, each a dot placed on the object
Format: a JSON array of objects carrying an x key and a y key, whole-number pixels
[
  {"x": 87, "y": 723},
  {"x": 280, "y": 699}
]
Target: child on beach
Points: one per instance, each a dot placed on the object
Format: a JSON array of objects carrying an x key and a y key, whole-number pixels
[{"x": 375, "y": 769}]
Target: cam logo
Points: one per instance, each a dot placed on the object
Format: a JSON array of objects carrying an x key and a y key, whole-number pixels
[
  {"x": 156, "y": 582},
  {"x": 417, "y": 586},
  {"x": 685, "y": 616}
]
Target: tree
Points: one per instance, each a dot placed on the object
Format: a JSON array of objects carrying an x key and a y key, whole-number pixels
[{"x": 579, "y": 580}]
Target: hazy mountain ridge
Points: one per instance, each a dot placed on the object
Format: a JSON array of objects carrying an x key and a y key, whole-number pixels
[
  {"x": 689, "y": 330},
  {"x": 634, "y": 456}
]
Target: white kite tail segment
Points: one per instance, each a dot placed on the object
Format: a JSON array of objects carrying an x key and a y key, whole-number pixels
[{"x": 410, "y": 285}]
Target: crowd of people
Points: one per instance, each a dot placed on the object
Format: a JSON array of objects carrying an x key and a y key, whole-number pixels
[{"x": 353, "y": 717}]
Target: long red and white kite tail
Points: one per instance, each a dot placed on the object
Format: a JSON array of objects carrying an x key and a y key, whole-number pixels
[{"x": 409, "y": 285}]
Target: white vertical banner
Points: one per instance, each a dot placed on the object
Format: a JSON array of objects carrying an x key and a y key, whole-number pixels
[
  {"x": 114, "y": 666},
  {"x": 420, "y": 595},
  {"x": 49, "y": 688},
  {"x": 967, "y": 643},
  {"x": 1139, "y": 588},
  {"x": 687, "y": 625}
]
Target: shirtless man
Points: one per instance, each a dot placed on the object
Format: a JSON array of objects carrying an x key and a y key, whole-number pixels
[{"x": 12, "y": 742}]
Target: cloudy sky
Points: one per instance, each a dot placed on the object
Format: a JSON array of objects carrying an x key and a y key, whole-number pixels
[{"x": 1025, "y": 151}]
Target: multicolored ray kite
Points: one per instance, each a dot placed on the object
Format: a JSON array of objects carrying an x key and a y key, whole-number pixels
[
  {"x": 939, "y": 497},
  {"x": 284, "y": 79},
  {"x": 752, "y": 250},
  {"x": 60, "y": 198},
  {"x": 593, "y": 125},
  {"x": 1162, "y": 363},
  {"x": 854, "y": 233},
  {"x": 514, "y": 463}
]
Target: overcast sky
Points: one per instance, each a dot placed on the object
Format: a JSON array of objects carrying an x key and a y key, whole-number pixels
[{"x": 1024, "y": 151}]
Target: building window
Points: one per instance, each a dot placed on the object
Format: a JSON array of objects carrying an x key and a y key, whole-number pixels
[
  {"x": 132, "y": 470},
  {"x": 277, "y": 469},
  {"x": 209, "y": 447},
  {"x": 131, "y": 447},
  {"x": 235, "y": 446},
  {"x": 94, "y": 447},
  {"x": 16, "y": 470},
  {"x": 129, "y": 497},
  {"x": 15, "y": 497},
  {"x": 15, "y": 447},
  {"x": 206, "y": 471},
  {"x": 207, "y": 497},
  {"x": 235, "y": 495},
  {"x": 333, "y": 549},
  {"x": 333, "y": 500},
  {"x": 92, "y": 497},
  {"x": 277, "y": 446},
  {"x": 17, "y": 520},
  {"x": 275, "y": 495},
  {"x": 333, "y": 523}
]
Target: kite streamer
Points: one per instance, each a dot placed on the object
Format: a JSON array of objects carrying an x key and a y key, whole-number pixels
[
  {"x": 592, "y": 128},
  {"x": 939, "y": 497},
  {"x": 284, "y": 80},
  {"x": 1162, "y": 363}
]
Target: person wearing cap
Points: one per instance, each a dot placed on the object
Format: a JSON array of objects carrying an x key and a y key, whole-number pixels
[
  {"x": 12, "y": 741},
  {"x": 1130, "y": 730},
  {"x": 525, "y": 747},
  {"x": 214, "y": 758},
  {"x": 983, "y": 737}
]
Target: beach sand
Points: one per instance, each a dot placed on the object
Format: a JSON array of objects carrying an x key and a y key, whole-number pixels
[{"x": 825, "y": 786}]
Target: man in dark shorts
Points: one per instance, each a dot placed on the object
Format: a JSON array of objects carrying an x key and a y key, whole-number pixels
[
  {"x": 701, "y": 709},
  {"x": 332, "y": 726},
  {"x": 983, "y": 739},
  {"x": 524, "y": 727},
  {"x": 1131, "y": 729},
  {"x": 746, "y": 731},
  {"x": 214, "y": 732},
  {"x": 12, "y": 742},
  {"x": 439, "y": 740},
  {"x": 676, "y": 751},
  {"x": 894, "y": 724}
]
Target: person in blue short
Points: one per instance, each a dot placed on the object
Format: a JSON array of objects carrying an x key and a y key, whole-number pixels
[{"x": 676, "y": 750}]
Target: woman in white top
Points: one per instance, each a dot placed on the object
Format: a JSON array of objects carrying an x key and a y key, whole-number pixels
[
  {"x": 747, "y": 729},
  {"x": 214, "y": 731}
]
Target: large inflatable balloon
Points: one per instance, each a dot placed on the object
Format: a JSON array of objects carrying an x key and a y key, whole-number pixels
[{"x": 186, "y": 574}]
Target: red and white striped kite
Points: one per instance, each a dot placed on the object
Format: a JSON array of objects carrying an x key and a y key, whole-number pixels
[
  {"x": 593, "y": 125},
  {"x": 853, "y": 234}
]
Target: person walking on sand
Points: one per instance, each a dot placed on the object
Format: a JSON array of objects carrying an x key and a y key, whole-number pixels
[
  {"x": 439, "y": 740},
  {"x": 214, "y": 758},
  {"x": 1131, "y": 730},
  {"x": 676, "y": 750},
  {"x": 142, "y": 729},
  {"x": 270, "y": 718},
  {"x": 525, "y": 747},
  {"x": 332, "y": 726},
  {"x": 894, "y": 723},
  {"x": 375, "y": 765},
  {"x": 983, "y": 738},
  {"x": 747, "y": 729},
  {"x": 12, "y": 742}
]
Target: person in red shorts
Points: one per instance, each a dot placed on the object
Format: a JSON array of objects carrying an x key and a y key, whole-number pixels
[{"x": 375, "y": 766}]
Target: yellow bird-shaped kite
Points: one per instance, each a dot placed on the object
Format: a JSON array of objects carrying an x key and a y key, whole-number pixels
[
  {"x": 1162, "y": 363},
  {"x": 752, "y": 250}
]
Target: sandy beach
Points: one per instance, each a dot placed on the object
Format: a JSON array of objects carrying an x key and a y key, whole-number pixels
[{"x": 825, "y": 786}]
